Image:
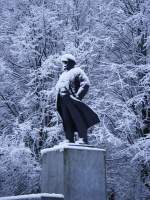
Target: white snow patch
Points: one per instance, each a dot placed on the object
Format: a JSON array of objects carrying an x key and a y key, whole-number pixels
[
  {"x": 79, "y": 147},
  {"x": 60, "y": 147},
  {"x": 63, "y": 146},
  {"x": 30, "y": 196}
]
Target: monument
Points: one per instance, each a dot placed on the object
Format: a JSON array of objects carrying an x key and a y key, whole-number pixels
[{"x": 76, "y": 171}]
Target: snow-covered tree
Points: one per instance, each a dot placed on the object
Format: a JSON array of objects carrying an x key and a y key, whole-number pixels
[{"x": 110, "y": 39}]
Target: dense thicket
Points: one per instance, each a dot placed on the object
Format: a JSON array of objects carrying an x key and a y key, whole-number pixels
[{"x": 110, "y": 39}]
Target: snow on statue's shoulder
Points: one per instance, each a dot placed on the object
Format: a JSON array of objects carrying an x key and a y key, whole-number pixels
[
  {"x": 77, "y": 72},
  {"x": 69, "y": 76}
]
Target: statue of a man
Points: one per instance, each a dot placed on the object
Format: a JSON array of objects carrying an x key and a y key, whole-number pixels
[{"x": 71, "y": 87}]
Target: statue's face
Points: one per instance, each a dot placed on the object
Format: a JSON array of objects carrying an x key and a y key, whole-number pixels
[
  {"x": 68, "y": 64},
  {"x": 65, "y": 65}
]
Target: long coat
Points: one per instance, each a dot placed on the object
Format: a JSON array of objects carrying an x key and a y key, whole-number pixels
[{"x": 71, "y": 87}]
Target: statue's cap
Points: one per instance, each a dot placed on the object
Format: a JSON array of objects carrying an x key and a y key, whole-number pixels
[{"x": 67, "y": 57}]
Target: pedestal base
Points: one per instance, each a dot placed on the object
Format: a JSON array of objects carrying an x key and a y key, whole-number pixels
[{"x": 76, "y": 171}]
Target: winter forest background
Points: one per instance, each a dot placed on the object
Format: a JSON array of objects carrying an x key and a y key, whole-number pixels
[{"x": 111, "y": 41}]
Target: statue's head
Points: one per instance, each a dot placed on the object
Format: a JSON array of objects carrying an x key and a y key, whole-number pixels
[{"x": 68, "y": 61}]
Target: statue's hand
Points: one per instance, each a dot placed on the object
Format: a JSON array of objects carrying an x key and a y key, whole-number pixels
[
  {"x": 64, "y": 92},
  {"x": 78, "y": 97}
]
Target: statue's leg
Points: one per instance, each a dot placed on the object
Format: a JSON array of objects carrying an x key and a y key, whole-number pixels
[
  {"x": 83, "y": 134},
  {"x": 69, "y": 130},
  {"x": 82, "y": 131},
  {"x": 67, "y": 121},
  {"x": 69, "y": 135},
  {"x": 68, "y": 127}
]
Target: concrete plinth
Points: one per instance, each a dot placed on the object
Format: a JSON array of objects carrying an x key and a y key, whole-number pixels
[
  {"x": 78, "y": 172},
  {"x": 35, "y": 197}
]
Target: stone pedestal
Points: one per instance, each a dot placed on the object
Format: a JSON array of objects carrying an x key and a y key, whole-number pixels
[
  {"x": 78, "y": 172},
  {"x": 35, "y": 197}
]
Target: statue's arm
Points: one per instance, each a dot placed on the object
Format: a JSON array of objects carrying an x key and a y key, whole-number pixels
[{"x": 84, "y": 84}]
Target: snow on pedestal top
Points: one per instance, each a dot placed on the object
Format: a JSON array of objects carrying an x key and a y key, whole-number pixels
[{"x": 62, "y": 146}]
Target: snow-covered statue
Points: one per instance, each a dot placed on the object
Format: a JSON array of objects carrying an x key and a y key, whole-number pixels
[{"x": 71, "y": 87}]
